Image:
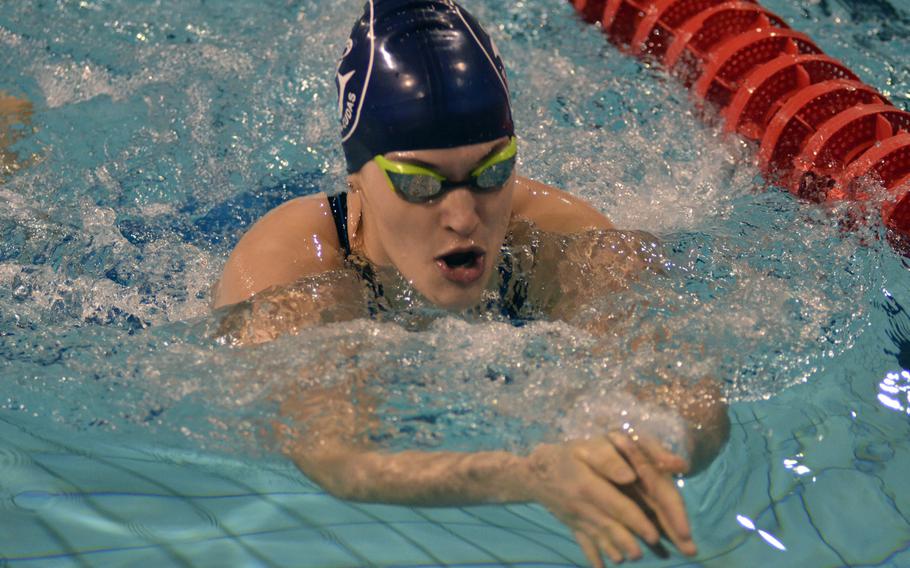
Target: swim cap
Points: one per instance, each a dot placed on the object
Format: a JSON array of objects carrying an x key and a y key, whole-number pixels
[{"x": 419, "y": 74}]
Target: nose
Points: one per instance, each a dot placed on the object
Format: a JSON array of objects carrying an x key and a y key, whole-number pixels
[{"x": 460, "y": 213}]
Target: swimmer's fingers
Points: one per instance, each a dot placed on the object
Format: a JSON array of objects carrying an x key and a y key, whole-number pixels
[
  {"x": 684, "y": 544},
  {"x": 654, "y": 463},
  {"x": 664, "y": 459},
  {"x": 610, "y": 505},
  {"x": 612, "y": 511},
  {"x": 586, "y": 500},
  {"x": 606, "y": 461},
  {"x": 603, "y": 534},
  {"x": 659, "y": 492},
  {"x": 591, "y": 550},
  {"x": 614, "y": 539}
]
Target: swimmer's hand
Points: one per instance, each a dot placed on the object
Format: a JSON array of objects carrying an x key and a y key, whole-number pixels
[{"x": 608, "y": 490}]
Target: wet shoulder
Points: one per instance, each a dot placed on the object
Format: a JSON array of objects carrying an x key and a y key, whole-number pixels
[
  {"x": 554, "y": 210},
  {"x": 555, "y": 273},
  {"x": 297, "y": 219},
  {"x": 294, "y": 240}
]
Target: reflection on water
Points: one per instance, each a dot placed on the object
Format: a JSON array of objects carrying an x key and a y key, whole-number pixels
[
  {"x": 894, "y": 391},
  {"x": 749, "y": 524}
]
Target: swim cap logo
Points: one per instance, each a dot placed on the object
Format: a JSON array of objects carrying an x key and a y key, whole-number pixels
[
  {"x": 348, "y": 47},
  {"x": 346, "y": 101}
]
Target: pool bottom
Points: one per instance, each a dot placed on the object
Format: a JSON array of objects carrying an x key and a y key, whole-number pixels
[
  {"x": 774, "y": 495},
  {"x": 116, "y": 506},
  {"x": 813, "y": 476}
]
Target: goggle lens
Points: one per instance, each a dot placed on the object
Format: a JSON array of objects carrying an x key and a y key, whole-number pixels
[
  {"x": 496, "y": 175},
  {"x": 416, "y": 184},
  {"x": 416, "y": 188}
]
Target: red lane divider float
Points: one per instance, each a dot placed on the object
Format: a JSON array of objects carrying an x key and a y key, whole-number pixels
[
  {"x": 766, "y": 87},
  {"x": 837, "y": 143},
  {"x": 730, "y": 61},
  {"x": 697, "y": 36},
  {"x": 821, "y": 132},
  {"x": 800, "y": 116},
  {"x": 656, "y": 23}
]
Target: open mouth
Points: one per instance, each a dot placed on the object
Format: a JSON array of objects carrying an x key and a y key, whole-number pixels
[
  {"x": 462, "y": 266},
  {"x": 457, "y": 259}
]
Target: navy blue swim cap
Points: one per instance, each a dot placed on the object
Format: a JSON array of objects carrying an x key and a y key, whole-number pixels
[{"x": 419, "y": 74}]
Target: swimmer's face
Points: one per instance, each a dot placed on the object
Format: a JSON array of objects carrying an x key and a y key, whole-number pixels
[{"x": 448, "y": 247}]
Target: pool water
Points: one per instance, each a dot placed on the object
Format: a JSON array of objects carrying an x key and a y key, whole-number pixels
[{"x": 130, "y": 435}]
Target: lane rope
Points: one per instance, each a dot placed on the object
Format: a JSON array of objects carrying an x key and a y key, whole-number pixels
[{"x": 818, "y": 130}]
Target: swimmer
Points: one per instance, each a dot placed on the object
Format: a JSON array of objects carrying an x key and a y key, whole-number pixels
[
  {"x": 15, "y": 113},
  {"x": 430, "y": 146}
]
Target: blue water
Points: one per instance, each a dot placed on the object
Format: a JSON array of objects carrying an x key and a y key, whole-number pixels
[{"x": 130, "y": 436}]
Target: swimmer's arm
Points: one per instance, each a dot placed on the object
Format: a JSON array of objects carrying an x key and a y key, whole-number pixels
[
  {"x": 704, "y": 409},
  {"x": 600, "y": 488},
  {"x": 290, "y": 242},
  {"x": 599, "y": 260},
  {"x": 604, "y": 264},
  {"x": 14, "y": 112},
  {"x": 554, "y": 210},
  {"x": 590, "y": 270},
  {"x": 416, "y": 478},
  {"x": 284, "y": 310},
  {"x": 333, "y": 449}
]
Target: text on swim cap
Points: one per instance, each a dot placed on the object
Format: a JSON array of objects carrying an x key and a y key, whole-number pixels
[
  {"x": 348, "y": 110},
  {"x": 345, "y": 112}
]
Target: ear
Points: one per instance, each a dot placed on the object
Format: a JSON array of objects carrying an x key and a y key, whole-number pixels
[{"x": 355, "y": 182}]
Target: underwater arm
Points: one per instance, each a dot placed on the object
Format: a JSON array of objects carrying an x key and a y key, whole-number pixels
[
  {"x": 595, "y": 272},
  {"x": 286, "y": 310},
  {"x": 590, "y": 485},
  {"x": 328, "y": 437},
  {"x": 15, "y": 113},
  {"x": 704, "y": 409}
]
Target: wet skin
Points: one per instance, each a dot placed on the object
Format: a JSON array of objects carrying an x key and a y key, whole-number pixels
[
  {"x": 299, "y": 239},
  {"x": 15, "y": 114}
]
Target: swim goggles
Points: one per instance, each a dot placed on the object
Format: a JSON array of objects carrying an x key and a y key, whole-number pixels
[{"x": 417, "y": 184}]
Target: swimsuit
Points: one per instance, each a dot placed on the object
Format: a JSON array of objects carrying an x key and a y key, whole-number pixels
[{"x": 338, "y": 203}]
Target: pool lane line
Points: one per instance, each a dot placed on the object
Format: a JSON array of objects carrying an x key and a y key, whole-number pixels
[
  {"x": 520, "y": 533},
  {"x": 110, "y": 515},
  {"x": 170, "y": 493},
  {"x": 479, "y": 522},
  {"x": 288, "y": 511}
]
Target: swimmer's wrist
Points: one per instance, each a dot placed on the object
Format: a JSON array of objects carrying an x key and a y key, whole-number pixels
[
  {"x": 421, "y": 478},
  {"x": 518, "y": 484},
  {"x": 536, "y": 473}
]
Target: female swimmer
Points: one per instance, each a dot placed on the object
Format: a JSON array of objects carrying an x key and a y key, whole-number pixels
[{"x": 427, "y": 132}]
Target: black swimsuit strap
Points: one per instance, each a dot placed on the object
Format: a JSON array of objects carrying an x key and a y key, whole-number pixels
[{"x": 338, "y": 203}]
